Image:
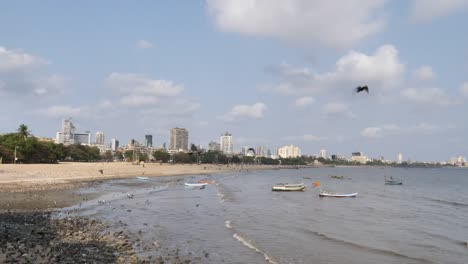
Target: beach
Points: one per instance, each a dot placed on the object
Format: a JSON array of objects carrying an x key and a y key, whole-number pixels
[{"x": 27, "y": 177}]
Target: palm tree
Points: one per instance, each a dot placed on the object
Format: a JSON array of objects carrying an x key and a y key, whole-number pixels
[{"x": 23, "y": 131}]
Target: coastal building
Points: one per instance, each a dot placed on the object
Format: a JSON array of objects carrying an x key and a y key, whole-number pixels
[
  {"x": 178, "y": 140},
  {"x": 289, "y": 151},
  {"x": 99, "y": 138},
  {"x": 214, "y": 146},
  {"x": 359, "y": 157},
  {"x": 114, "y": 144},
  {"x": 323, "y": 154},
  {"x": 399, "y": 158},
  {"x": 225, "y": 141},
  {"x": 458, "y": 161},
  {"x": 68, "y": 135},
  {"x": 260, "y": 151},
  {"x": 149, "y": 141}
]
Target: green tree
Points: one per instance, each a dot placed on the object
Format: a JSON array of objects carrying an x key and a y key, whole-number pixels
[
  {"x": 23, "y": 131},
  {"x": 161, "y": 156}
]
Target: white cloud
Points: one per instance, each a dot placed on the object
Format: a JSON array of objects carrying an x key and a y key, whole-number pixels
[
  {"x": 23, "y": 75},
  {"x": 424, "y": 73},
  {"x": 304, "y": 101},
  {"x": 337, "y": 109},
  {"x": 306, "y": 138},
  {"x": 144, "y": 44},
  {"x": 11, "y": 60},
  {"x": 131, "y": 83},
  {"x": 174, "y": 107},
  {"x": 381, "y": 71},
  {"x": 431, "y": 96},
  {"x": 138, "y": 100},
  {"x": 393, "y": 129},
  {"x": 331, "y": 23},
  {"x": 240, "y": 112},
  {"x": 464, "y": 89},
  {"x": 372, "y": 132},
  {"x": 62, "y": 111},
  {"x": 426, "y": 10}
]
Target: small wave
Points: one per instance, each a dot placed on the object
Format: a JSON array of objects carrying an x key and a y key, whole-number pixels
[
  {"x": 250, "y": 245},
  {"x": 447, "y": 202},
  {"x": 228, "y": 224},
  {"x": 367, "y": 248},
  {"x": 445, "y": 238}
]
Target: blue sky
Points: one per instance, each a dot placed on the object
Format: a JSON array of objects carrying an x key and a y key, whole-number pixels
[{"x": 270, "y": 72}]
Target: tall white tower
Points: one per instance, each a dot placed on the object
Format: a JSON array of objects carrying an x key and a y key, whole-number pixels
[
  {"x": 399, "y": 158},
  {"x": 100, "y": 138},
  {"x": 225, "y": 141}
]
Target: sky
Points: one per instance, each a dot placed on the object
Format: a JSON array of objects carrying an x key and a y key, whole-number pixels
[{"x": 271, "y": 72}]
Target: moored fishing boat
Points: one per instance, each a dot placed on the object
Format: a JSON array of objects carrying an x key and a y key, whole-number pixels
[
  {"x": 338, "y": 195},
  {"x": 288, "y": 187},
  {"x": 392, "y": 181},
  {"x": 195, "y": 184}
]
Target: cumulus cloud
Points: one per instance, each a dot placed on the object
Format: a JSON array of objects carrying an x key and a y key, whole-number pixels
[
  {"x": 331, "y": 23},
  {"x": 382, "y": 71},
  {"x": 24, "y": 75},
  {"x": 131, "y": 83},
  {"x": 242, "y": 112},
  {"x": 426, "y": 10},
  {"x": 464, "y": 89},
  {"x": 62, "y": 111},
  {"x": 430, "y": 96},
  {"x": 304, "y": 101},
  {"x": 138, "y": 100},
  {"x": 12, "y": 60},
  {"x": 84, "y": 111},
  {"x": 144, "y": 44},
  {"x": 337, "y": 109},
  {"x": 424, "y": 73},
  {"x": 393, "y": 129},
  {"x": 305, "y": 137}
]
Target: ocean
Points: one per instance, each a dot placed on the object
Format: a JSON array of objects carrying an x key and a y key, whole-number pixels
[{"x": 240, "y": 220}]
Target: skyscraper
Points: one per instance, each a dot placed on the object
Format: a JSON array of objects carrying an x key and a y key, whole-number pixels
[
  {"x": 99, "y": 138},
  {"x": 149, "y": 141},
  {"x": 114, "y": 144},
  {"x": 323, "y": 153},
  {"x": 225, "y": 141},
  {"x": 178, "y": 139},
  {"x": 399, "y": 158},
  {"x": 290, "y": 151}
]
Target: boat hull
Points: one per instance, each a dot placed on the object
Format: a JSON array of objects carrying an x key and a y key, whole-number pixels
[
  {"x": 338, "y": 195},
  {"x": 195, "y": 184},
  {"x": 394, "y": 183},
  {"x": 287, "y": 189}
]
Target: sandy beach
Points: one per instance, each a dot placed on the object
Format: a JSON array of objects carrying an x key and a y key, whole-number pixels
[{"x": 26, "y": 177}]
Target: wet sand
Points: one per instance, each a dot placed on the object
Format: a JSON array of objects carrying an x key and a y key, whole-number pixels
[{"x": 25, "y": 177}]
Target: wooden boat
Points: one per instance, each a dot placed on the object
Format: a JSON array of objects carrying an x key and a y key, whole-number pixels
[
  {"x": 195, "y": 184},
  {"x": 391, "y": 181},
  {"x": 337, "y": 176},
  {"x": 338, "y": 195},
  {"x": 285, "y": 187}
]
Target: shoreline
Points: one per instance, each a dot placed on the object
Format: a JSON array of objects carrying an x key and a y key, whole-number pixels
[{"x": 70, "y": 175}]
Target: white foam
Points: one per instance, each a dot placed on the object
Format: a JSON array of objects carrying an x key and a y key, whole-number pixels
[
  {"x": 249, "y": 244},
  {"x": 228, "y": 224}
]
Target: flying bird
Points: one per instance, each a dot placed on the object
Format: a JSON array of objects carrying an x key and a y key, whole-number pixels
[{"x": 362, "y": 88}]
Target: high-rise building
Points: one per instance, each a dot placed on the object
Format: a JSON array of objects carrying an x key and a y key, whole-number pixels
[
  {"x": 359, "y": 157},
  {"x": 399, "y": 158},
  {"x": 178, "y": 139},
  {"x": 260, "y": 151},
  {"x": 214, "y": 146},
  {"x": 149, "y": 141},
  {"x": 323, "y": 153},
  {"x": 99, "y": 138},
  {"x": 114, "y": 144},
  {"x": 225, "y": 141},
  {"x": 290, "y": 151},
  {"x": 68, "y": 135}
]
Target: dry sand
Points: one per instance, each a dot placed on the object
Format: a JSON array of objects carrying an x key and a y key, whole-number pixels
[{"x": 27, "y": 177}]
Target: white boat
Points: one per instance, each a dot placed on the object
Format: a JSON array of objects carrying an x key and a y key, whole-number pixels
[
  {"x": 288, "y": 187},
  {"x": 142, "y": 178},
  {"x": 339, "y": 195},
  {"x": 195, "y": 184}
]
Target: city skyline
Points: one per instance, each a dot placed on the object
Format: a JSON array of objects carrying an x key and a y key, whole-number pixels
[{"x": 211, "y": 66}]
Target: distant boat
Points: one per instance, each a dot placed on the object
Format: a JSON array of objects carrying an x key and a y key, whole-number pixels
[
  {"x": 142, "y": 178},
  {"x": 195, "y": 184},
  {"x": 338, "y": 195},
  {"x": 337, "y": 176},
  {"x": 285, "y": 187},
  {"x": 392, "y": 181}
]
